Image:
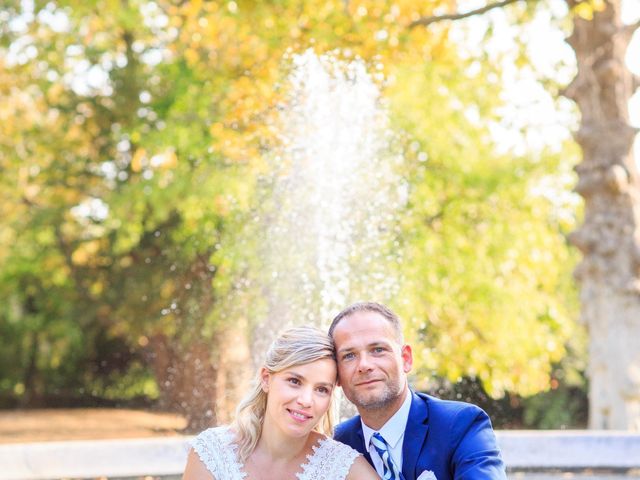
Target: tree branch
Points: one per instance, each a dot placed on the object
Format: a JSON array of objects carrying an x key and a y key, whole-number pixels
[
  {"x": 630, "y": 29},
  {"x": 424, "y": 21}
]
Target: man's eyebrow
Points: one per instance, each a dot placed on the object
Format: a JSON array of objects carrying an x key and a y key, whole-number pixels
[
  {"x": 368, "y": 345},
  {"x": 346, "y": 349}
]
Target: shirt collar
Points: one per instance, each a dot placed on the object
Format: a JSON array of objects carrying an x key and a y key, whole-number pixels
[{"x": 393, "y": 430}]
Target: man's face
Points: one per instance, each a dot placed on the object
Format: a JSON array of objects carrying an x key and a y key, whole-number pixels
[{"x": 372, "y": 365}]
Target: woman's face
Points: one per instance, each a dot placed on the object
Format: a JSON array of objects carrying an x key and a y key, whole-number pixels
[{"x": 299, "y": 396}]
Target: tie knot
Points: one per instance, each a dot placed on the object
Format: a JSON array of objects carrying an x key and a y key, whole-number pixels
[
  {"x": 379, "y": 437},
  {"x": 379, "y": 442}
]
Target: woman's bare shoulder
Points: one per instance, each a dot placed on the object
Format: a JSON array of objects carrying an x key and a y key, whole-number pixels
[
  {"x": 195, "y": 469},
  {"x": 361, "y": 470}
]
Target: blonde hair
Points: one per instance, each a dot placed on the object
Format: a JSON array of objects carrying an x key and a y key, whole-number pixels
[{"x": 295, "y": 346}]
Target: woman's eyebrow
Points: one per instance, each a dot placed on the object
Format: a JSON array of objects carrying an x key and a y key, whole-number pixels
[
  {"x": 294, "y": 374},
  {"x": 325, "y": 384},
  {"x": 301, "y": 377}
]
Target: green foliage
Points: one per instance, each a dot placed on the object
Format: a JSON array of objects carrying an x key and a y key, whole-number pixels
[
  {"x": 488, "y": 277},
  {"x": 561, "y": 408},
  {"x": 122, "y": 198}
]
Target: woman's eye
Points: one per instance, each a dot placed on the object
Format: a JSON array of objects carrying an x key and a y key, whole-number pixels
[
  {"x": 294, "y": 381},
  {"x": 323, "y": 390}
]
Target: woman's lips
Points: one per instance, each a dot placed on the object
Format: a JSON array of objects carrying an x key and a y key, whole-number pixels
[{"x": 299, "y": 416}]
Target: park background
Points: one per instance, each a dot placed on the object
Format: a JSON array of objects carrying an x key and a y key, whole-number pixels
[{"x": 144, "y": 146}]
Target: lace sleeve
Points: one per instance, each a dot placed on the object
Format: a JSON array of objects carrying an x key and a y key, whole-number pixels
[
  {"x": 217, "y": 452},
  {"x": 330, "y": 460}
]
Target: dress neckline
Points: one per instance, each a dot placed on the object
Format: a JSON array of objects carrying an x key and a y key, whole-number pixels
[
  {"x": 327, "y": 459},
  {"x": 303, "y": 468}
]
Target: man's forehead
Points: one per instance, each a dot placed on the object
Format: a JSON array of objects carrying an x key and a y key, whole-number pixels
[{"x": 364, "y": 325}]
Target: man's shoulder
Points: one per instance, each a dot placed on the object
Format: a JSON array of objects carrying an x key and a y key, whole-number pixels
[
  {"x": 465, "y": 430},
  {"x": 347, "y": 428},
  {"x": 447, "y": 411}
]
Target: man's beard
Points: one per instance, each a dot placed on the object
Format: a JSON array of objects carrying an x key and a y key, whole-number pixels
[{"x": 375, "y": 401}]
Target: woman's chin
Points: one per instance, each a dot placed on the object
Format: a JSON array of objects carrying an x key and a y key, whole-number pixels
[{"x": 299, "y": 431}]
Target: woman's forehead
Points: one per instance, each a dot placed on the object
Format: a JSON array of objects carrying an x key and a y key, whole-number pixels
[{"x": 325, "y": 367}]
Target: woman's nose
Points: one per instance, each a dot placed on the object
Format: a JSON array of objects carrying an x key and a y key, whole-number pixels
[{"x": 305, "y": 396}]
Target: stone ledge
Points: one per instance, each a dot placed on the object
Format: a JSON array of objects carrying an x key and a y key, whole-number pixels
[
  {"x": 539, "y": 450},
  {"x": 570, "y": 449},
  {"x": 93, "y": 458}
]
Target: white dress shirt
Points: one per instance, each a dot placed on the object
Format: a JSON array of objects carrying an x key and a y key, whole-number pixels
[{"x": 393, "y": 434}]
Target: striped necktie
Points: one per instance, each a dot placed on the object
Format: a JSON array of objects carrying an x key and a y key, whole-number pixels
[{"x": 390, "y": 472}]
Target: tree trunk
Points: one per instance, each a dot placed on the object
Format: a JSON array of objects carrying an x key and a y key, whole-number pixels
[
  {"x": 610, "y": 235},
  {"x": 29, "y": 379},
  {"x": 187, "y": 380}
]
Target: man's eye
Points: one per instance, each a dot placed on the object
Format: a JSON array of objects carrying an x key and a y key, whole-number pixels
[
  {"x": 348, "y": 356},
  {"x": 378, "y": 350}
]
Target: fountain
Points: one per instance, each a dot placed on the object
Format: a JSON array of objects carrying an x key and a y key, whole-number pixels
[{"x": 326, "y": 223}]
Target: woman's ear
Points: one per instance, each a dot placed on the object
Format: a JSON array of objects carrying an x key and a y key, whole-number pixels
[{"x": 265, "y": 378}]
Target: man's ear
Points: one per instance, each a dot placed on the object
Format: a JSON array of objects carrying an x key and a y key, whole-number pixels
[
  {"x": 407, "y": 358},
  {"x": 265, "y": 379}
]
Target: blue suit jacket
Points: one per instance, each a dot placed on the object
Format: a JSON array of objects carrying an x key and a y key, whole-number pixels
[{"x": 454, "y": 440}]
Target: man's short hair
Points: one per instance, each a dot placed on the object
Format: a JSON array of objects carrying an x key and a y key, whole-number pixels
[{"x": 370, "y": 307}]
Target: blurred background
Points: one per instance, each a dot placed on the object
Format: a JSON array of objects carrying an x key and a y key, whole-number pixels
[{"x": 182, "y": 179}]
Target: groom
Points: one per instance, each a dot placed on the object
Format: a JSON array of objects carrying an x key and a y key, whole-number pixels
[{"x": 403, "y": 434}]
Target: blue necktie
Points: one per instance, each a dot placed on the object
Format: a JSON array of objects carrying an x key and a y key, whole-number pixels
[{"x": 390, "y": 472}]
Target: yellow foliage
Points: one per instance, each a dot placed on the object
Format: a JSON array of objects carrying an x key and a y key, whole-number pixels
[
  {"x": 170, "y": 159},
  {"x": 96, "y": 288},
  {"x": 54, "y": 93},
  {"x": 166, "y": 160},
  {"x": 586, "y": 9},
  {"x": 192, "y": 56},
  {"x": 216, "y": 130},
  {"x": 167, "y": 289},
  {"x": 85, "y": 253},
  {"x": 126, "y": 261},
  {"x": 137, "y": 160},
  {"x": 192, "y": 8}
]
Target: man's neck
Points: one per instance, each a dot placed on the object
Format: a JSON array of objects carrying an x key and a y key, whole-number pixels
[{"x": 375, "y": 418}]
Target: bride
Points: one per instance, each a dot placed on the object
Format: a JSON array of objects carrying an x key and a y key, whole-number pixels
[{"x": 280, "y": 426}]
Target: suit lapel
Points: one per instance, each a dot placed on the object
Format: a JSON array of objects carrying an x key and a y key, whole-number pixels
[{"x": 414, "y": 435}]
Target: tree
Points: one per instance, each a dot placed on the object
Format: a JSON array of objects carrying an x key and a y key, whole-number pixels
[
  {"x": 108, "y": 238},
  {"x": 609, "y": 238},
  {"x": 608, "y": 181},
  {"x": 136, "y": 133}
]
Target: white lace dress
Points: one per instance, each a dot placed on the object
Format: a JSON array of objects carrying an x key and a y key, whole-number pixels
[{"x": 330, "y": 460}]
